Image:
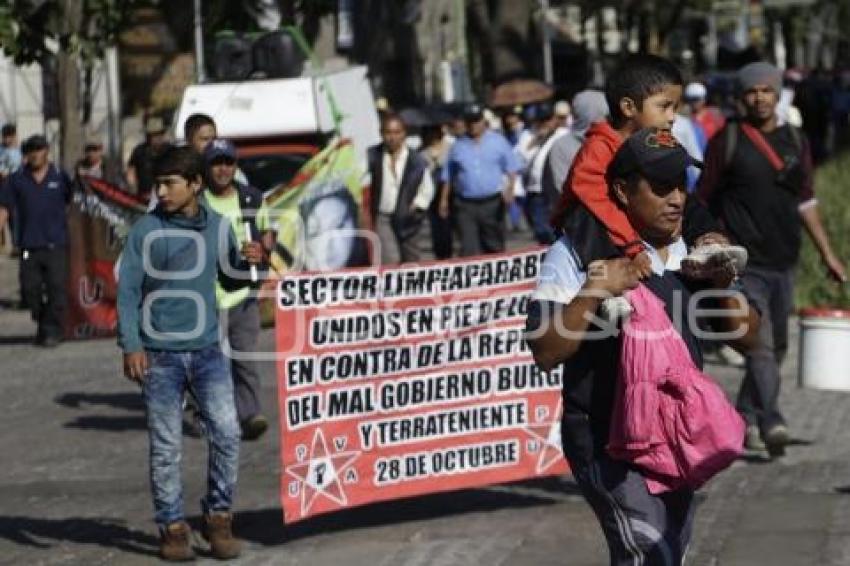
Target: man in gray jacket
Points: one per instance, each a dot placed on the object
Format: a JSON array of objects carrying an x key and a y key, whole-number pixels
[{"x": 589, "y": 107}]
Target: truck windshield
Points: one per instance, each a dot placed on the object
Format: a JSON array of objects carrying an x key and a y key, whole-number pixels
[{"x": 267, "y": 172}]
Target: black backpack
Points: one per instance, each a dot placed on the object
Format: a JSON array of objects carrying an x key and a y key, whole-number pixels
[
  {"x": 277, "y": 56},
  {"x": 790, "y": 177},
  {"x": 732, "y": 130},
  {"x": 232, "y": 58}
]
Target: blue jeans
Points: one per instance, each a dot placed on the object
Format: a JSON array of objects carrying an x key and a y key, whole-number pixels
[
  {"x": 537, "y": 210},
  {"x": 515, "y": 212},
  {"x": 206, "y": 374}
]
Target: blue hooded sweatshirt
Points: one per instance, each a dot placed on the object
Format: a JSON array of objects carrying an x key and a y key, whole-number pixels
[{"x": 166, "y": 280}]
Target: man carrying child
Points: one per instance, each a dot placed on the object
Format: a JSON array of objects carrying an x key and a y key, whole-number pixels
[
  {"x": 647, "y": 181},
  {"x": 624, "y": 219}
]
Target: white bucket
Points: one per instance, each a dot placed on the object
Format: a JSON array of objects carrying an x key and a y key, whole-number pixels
[{"x": 825, "y": 349}]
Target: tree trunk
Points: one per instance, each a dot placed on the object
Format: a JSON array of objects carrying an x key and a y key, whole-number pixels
[
  {"x": 484, "y": 37},
  {"x": 671, "y": 23},
  {"x": 68, "y": 85},
  {"x": 515, "y": 51}
]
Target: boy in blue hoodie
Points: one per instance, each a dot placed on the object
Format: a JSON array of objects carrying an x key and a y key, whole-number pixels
[{"x": 168, "y": 330}]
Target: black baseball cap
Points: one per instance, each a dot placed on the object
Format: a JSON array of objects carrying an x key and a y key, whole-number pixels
[
  {"x": 539, "y": 111},
  {"x": 473, "y": 112},
  {"x": 654, "y": 154},
  {"x": 34, "y": 143},
  {"x": 218, "y": 148}
]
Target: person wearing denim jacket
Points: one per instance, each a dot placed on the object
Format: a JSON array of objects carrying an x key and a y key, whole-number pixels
[{"x": 168, "y": 330}]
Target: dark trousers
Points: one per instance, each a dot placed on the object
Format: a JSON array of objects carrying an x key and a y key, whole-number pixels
[
  {"x": 773, "y": 294},
  {"x": 481, "y": 225},
  {"x": 639, "y": 527},
  {"x": 243, "y": 329},
  {"x": 43, "y": 277},
  {"x": 441, "y": 232}
]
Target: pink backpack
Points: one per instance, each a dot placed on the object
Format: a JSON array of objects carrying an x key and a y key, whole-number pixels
[{"x": 671, "y": 420}]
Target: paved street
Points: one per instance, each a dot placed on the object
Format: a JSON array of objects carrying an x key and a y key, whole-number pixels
[{"x": 73, "y": 485}]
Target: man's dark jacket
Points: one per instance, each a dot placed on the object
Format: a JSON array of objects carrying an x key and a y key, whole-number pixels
[{"x": 404, "y": 223}]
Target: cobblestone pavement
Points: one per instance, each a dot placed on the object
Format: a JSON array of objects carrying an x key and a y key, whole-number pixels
[{"x": 73, "y": 484}]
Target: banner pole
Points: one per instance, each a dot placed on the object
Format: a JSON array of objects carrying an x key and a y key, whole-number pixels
[{"x": 299, "y": 38}]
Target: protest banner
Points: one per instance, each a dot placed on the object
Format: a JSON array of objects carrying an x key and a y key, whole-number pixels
[
  {"x": 317, "y": 217},
  {"x": 402, "y": 381},
  {"x": 99, "y": 219}
]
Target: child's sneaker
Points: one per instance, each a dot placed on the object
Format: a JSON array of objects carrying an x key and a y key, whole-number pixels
[
  {"x": 174, "y": 542},
  {"x": 707, "y": 261},
  {"x": 614, "y": 309},
  {"x": 729, "y": 356}
]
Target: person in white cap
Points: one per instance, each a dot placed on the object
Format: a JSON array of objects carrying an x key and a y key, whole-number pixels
[
  {"x": 564, "y": 114},
  {"x": 709, "y": 118}
]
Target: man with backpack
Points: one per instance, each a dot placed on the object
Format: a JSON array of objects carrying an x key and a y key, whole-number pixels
[{"x": 758, "y": 180}]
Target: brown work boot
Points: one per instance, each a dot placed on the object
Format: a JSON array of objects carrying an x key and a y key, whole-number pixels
[
  {"x": 217, "y": 530},
  {"x": 174, "y": 543}
]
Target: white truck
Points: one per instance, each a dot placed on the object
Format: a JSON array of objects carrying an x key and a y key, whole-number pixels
[{"x": 278, "y": 124}]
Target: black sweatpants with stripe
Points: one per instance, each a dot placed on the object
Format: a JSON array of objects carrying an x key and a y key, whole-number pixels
[{"x": 640, "y": 528}]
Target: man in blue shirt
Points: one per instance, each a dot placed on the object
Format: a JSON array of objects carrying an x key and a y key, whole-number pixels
[
  {"x": 478, "y": 180},
  {"x": 10, "y": 155},
  {"x": 38, "y": 193},
  {"x": 10, "y": 161}
]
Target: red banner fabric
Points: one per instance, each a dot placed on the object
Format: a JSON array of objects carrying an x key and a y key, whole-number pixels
[
  {"x": 98, "y": 212},
  {"x": 92, "y": 290},
  {"x": 402, "y": 381}
]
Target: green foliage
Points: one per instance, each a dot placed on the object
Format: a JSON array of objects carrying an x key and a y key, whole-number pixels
[
  {"x": 833, "y": 192},
  {"x": 22, "y": 25},
  {"x": 32, "y": 29}
]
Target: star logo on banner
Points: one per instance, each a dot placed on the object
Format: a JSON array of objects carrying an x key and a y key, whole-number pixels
[
  {"x": 320, "y": 473},
  {"x": 548, "y": 435}
]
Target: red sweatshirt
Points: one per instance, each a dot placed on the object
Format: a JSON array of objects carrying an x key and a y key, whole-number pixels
[{"x": 586, "y": 184}]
